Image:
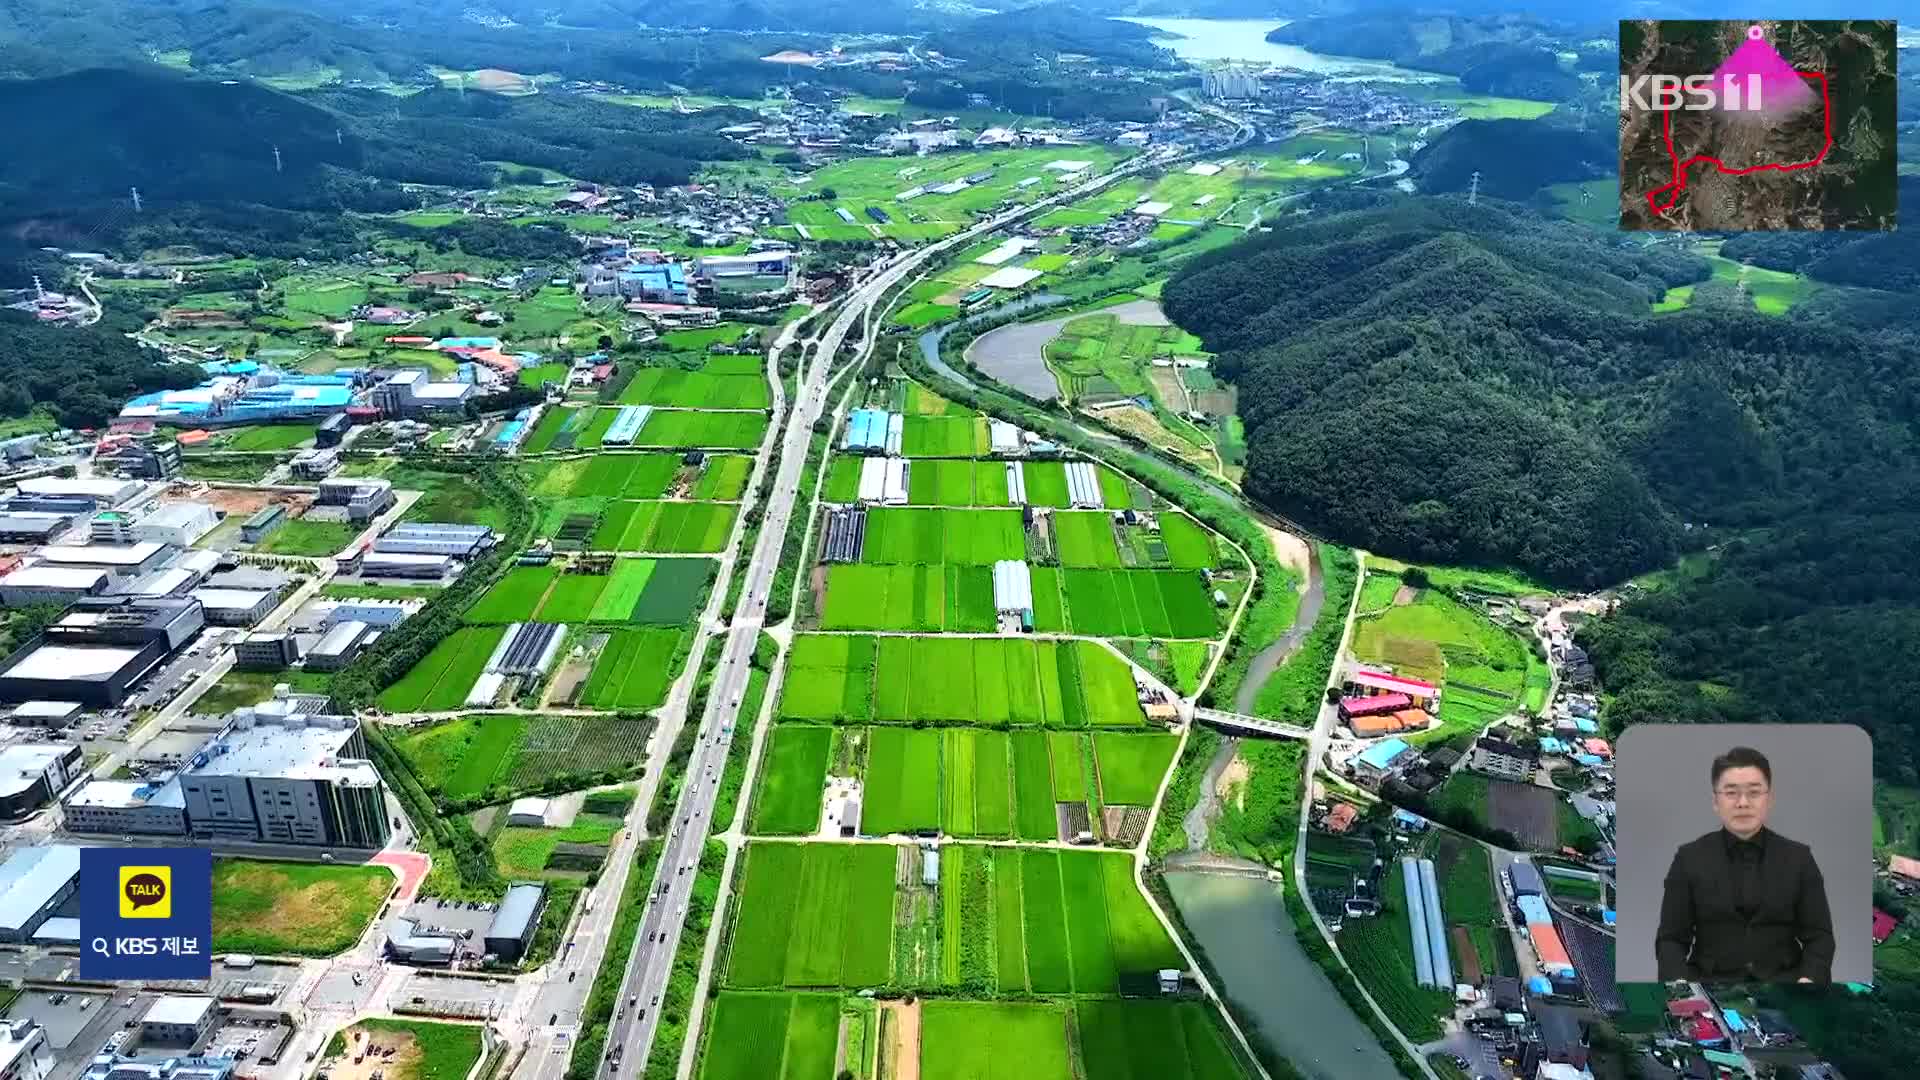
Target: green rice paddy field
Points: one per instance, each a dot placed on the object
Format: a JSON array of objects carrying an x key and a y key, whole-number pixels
[
  {"x": 988, "y": 784},
  {"x": 955, "y": 680},
  {"x": 771, "y": 1036},
  {"x": 1161, "y": 604},
  {"x": 634, "y": 668},
  {"x": 638, "y": 476},
  {"x": 661, "y": 592},
  {"x": 686, "y": 429},
  {"x": 792, "y": 780},
  {"x": 666, "y": 527},
  {"x": 944, "y": 436},
  {"x": 441, "y": 680},
  {"x": 963, "y": 482},
  {"x": 705, "y": 389},
  {"x": 814, "y": 915}
]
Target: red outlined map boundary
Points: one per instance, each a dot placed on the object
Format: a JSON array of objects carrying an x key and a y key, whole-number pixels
[{"x": 1680, "y": 168}]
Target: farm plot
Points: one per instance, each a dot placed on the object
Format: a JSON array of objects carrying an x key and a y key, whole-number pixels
[
  {"x": 606, "y": 475},
  {"x": 1157, "y": 604},
  {"x": 724, "y": 478},
  {"x": 1441, "y": 640},
  {"x": 926, "y": 536},
  {"x": 442, "y": 678},
  {"x": 956, "y": 482},
  {"x": 1529, "y": 812},
  {"x": 676, "y": 589},
  {"x": 980, "y": 1040},
  {"x": 687, "y": 430},
  {"x": 1047, "y": 485},
  {"x": 792, "y": 780},
  {"x": 555, "y": 746},
  {"x": 623, "y": 590},
  {"x": 1189, "y": 546},
  {"x": 464, "y": 757},
  {"x": 1050, "y": 921},
  {"x": 635, "y": 668},
  {"x": 1153, "y": 1040},
  {"x": 771, "y": 1036},
  {"x": 1085, "y": 539},
  {"x": 814, "y": 915},
  {"x": 1131, "y": 766},
  {"x": 1380, "y": 951},
  {"x": 861, "y": 596},
  {"x": 668, "y": 527},
  {"x": 557, "y": 429},
  {"x": 514, "y": 598},
  {"x": 960, "y": 681},
  {"x": 829, "y": 677},
  {"x": 572, "y": 598},
  {"x": 902, "y": 793},
  {"x": 679, "y": 388},
  {"x": 944, "y": 437}
]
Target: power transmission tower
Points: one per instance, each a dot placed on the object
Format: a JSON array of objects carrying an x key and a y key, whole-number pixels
[
  {"x": 136, "y": 200},
  {"x": 1473, "y": 189},
  {"x": 1586, "y": 197},
  {"x": 39, "y": 291}
]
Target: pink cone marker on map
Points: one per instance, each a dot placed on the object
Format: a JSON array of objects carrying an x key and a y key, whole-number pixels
[{"x": 1782, "y": 90}]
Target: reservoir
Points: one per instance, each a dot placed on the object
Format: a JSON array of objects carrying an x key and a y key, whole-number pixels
[
  {"x": 1203, "y": 40},
  {"x": 1243, "y": 926}
]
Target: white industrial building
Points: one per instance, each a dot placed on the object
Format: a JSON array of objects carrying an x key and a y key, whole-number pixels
[
  {"x": 34, "y": 882},
  {"x": 126, "y": 808},
  {"x": 25, "y": 1053},
  {"x": 121, "y": 560},
  {"x": 1009, "y": 277},
  {"x": 179, "y": 524},
  {"x": 1003, "y": 439},
  {"x": 528, "y": 812},
  {"x": 40, "y": 584},
  {"x": 294, "y": 778},
  {"x": 463, "y": 541},
  {"x": 31, "y": 774},
  {"x": 884, "y": 480},
  {"x": 383, "y": 614},
  {"x": 401, "y": 564},
  {"x": 104, "y": 490},
  {"x": 235, "y": 607},
  {"x": 1006, "y": 250},
  {"x": 338, "y": 646},
  {"x": 178, "y": 1020}
]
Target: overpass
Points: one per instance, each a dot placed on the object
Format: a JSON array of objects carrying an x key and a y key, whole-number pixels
[{"x": 1242, "y": 724}]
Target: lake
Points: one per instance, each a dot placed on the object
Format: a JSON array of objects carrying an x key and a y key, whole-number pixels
[
  {"x": 1246, "y": 39},
  {"x": 1242, "y": 924}
]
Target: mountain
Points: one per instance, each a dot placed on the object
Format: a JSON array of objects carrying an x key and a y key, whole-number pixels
[{"x": 1514, "y": 158}]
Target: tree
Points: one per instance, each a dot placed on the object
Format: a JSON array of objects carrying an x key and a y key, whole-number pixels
[{"x": 1415, "y": 577}]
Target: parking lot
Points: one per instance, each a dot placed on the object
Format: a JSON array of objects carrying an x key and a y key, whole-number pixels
[
  {"x": 79, "y": 1024},
  {"x": 452, "y": 916},
  {"x": 440, "y": 995}
]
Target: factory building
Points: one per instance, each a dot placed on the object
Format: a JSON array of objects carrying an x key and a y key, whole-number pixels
[
  {"x": 34, "y": 882},
  {"x": 315, "y": 464},
  {"x": 31, "y": 774},
  {"x": 760, "y": 262},
  {"x": 126, "y": 808},
  {"x": 664, "y": 283},
  {"x": 98, "y": 490},
  {"x": 236, "y": 607},
  {"x": 98, "y": 649},
  {"x": 157, "y": 460},
  {"x": 381, "y": 614},
  {"x": 407, "y": 945},
  {"x": 179, "y": 524},
  {"x": 339, "y": 645},
  {"x": 264, "y": 521},
  {"x": 511, "y": 931},
  {"x": 47, "y": 714},
  {"x": 364, "y": 497},
  {"x": 461, "y": 541},
  {"x": 295, "y": 779},
  {"x": 412, "y": 392},
  {"x": 266, "y": 652},
  {"x": 121, "y": 560},
  {"x": 51, "y": 585},
  {"x": 178, "y": 1020},
  {"x": 33, "y": 527},
  {"x": 394, "y": 564}
]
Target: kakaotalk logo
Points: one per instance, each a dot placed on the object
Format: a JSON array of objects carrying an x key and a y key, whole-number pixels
[
  {"x": 1756, "y": 78},
  {"x": 146, "y": 892}
]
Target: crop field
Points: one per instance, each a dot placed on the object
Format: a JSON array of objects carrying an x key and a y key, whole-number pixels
[
  {"x": 686, "y": 430},
  {"x": 675, "y": 527},
  {"x": 515, "y": 597},
  {"x": 865, "y": 597},
  {"x": 982, "y": 1040},
  {"x": 1153, "y": 1040},
  {"x": 635, "y": 668},
  {"x": 552, "y": 746},
  {"x": 771, "y": 1036},
  {"x": 1047, "y": 921},
  {"x": 1101, "y": 356},
  {"x": 1085, "y": 539},
  {"x": 1483, "y": 667},
  {"x": 944, "y": 437},
  {"x": 1157, "y": 604},
  {"x": 1189, "y": 546},
  {"x": 949, "y": 482},
  {"x": 1047, "y": 485},
  {"x": 724, "y": 478},
  {"x": 958, "y": 681},
  {"x": 813, "y": 915},
  {"x": 843, "y": 479},
  {"x": 1380, "y": 951},
  {"x": 792, "y": 779},
  {"x": 902, "y": 793},
  {"x": 927, "y": 536},
  {"x": 304, "y": 909},
  {"x": 675, "y": 590},
  {"x": 862, "y": 182},
  {"x": 657, "y": 591},
  {"x": 679, "y": 388},
  {"x": 1131, "y": 766},
  {"x": 605, "y": 475},
  {"x": 442, "y": 678},
  {"x": 464, "y": 757},
  {"x": 268, "y": 437},
  {"x": 559, "y": 426}
]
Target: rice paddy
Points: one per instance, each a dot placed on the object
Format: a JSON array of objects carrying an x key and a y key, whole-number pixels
[
  {"x": 651, "y": 591},
  {"x": 664, "y": 527},
  {"x": 441, "y": 680},
  {"x": 1160, "y": 604},
  {"x": 703, "y": 389},
  {"x": 813, "y": 915},
  {"x": 634, "y": 668}
]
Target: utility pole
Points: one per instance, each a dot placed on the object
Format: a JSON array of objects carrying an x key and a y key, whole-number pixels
[
  {"x": 1586, "y": 196},
  {"x": 136, "y": 200},
  {"x": 1473, "y": 190},
  {"x": 276, "y": 159},
  {"x": 338, "y": 138}
]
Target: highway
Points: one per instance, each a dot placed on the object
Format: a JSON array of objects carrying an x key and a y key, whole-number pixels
[{"x": 666, "y": 906}]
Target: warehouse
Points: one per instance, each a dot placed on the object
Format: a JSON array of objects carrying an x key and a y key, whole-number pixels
[
  {"x": 121, "y": 560},
  {"x": 1378, "y": 705},
  {"x": 96, "y": 675},
  {"x": 29, "y": 527},
  {"x": 398, "y": 564},
  {"x": 264, "y": 521},
  {"x": 867, "y": 431},
  {"x": 34, "y": 882},
  {"x": 338, "y": 646},
  {"x": 1364, "y": 682},
  {"x": 513, "y": 925},
  {"x": 461, "y": 541},
  {"x": 296, "y": 778},
  {"x": 46, "y": 714},
  {"x": 51, "y": 585},
  {"x": 627, "y": 424},
  {"x": 126, "y": 807},
  {"x": 1526, "y": 880},
  {"x": 180, "y": 524},
  {"x": 384, "y": 614},
  {"x": 101, "y": 490},
  {"x": 407, "y": 945},
  {"x": 528, "y": 812},
  {"x": 178, "y": 1020},
  {"x": 173, "y": 581},
  {"x": 31, "y": 774},
  {"x": 1003, "y": 439},
  {"x": 235, "y": 607}
]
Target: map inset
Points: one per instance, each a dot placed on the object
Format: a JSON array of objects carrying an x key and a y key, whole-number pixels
[{"x": 1757, "y": 125}]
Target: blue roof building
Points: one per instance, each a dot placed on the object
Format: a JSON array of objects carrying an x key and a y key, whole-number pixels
[
  {"x": 1539, "y": 985},
  {"x": 1382, "y": 756},
  {"x": 1551, "y": 745},
  {"x": 1735, "y": 1022}
]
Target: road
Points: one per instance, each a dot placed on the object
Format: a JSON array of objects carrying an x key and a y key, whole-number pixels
[{"x": 665, "y": 914}]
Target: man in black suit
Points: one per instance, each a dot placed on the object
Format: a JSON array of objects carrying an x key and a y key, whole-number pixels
[{"x": 1744, "y": 902}]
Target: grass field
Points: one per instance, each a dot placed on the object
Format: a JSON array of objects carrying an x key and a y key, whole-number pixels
[
  {"x": 689, "y": 430},
  {"x": 269, "y": 437},
  {"x": 314, "y": 539},
  {"x": 716, "y": 386},
  {"x": 423, "y": 1050},
  {"x": 665, "y": 527},
  {"x": 442, "y": 678},
  {"x": 464, "y": 757},
  {"x": 994, "y": 681},
  {"x": 293, "y": 909},
  {"x": 813, "y": 915},
  {"x": 239, "y": 688}
]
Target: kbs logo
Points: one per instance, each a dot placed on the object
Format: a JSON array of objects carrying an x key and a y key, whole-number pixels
[
  {"x": 1691, "y": 93},
  {"x": 146, "y": 892}
]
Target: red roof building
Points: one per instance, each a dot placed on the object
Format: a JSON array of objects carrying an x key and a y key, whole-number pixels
[
  {"x": 409, "y": 339},
  {"x": 1374, "y": 706},
  {"x": 1366, "y": 679},
  {"x": 602, "y": 372},
  {"x": 1341, "y": 817},
  {"x": 1687, "y": 1007},
  {"x": 1599, "y": 748},
  {"x": 1883, "y": 925},
  {"x": 1703, "y": 1029}
]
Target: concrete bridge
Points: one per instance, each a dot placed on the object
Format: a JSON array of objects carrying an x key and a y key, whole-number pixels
[
  {"x": 1242, "y": 724},
  {"x": 1200, "y": 862}
]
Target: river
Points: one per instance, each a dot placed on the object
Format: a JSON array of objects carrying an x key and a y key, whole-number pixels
[
  {"x": 1246, "y": 39},
  {"x": 1242, "y": 924}
]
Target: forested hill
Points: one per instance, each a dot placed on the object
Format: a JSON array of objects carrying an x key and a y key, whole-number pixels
[
  {"x": 1483, "y": 385},
  {"x": 1514, "y": 158}
]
